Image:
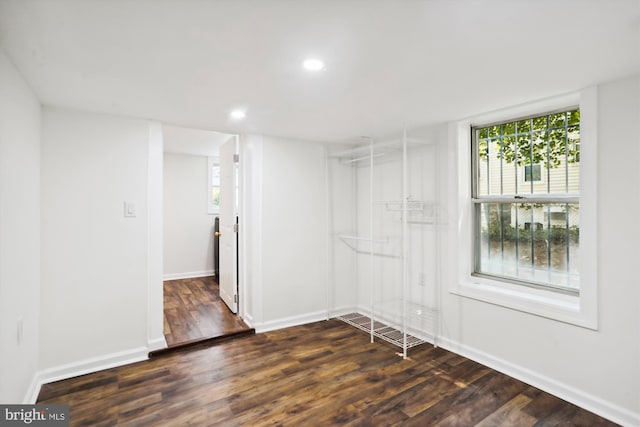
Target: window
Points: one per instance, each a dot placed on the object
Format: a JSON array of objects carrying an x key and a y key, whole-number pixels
[
  {"x": 526, "y": 204},
  {"x": 535, "y": 169},
  {"x": 213, "y": 185},
  {"x": 578, "y": 306}
]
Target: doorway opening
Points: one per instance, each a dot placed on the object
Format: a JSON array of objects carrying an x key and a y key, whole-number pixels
[
  {"x": 194, "y": 312},
  {"x": 193, "y": 201}
]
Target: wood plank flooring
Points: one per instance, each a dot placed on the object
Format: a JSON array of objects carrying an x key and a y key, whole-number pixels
[
  {"x": 193, "y": 311},
  {"x": 324, "y": 373}
]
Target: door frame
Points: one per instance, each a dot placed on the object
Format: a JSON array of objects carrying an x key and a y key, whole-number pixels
[
  {"x": 242, "y": 231},
  {"x": 155, "y": 240}
]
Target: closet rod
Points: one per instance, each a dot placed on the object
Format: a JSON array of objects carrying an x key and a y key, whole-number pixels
[
  {"x": 366, "y": 239},
  {"x": 357, "y": 159}
]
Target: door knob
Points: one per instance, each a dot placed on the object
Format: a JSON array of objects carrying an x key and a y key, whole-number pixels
[{"x": 217, "y": 234}]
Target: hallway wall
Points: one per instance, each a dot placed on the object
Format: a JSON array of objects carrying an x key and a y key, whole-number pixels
[{"x": 188, "y": 227}]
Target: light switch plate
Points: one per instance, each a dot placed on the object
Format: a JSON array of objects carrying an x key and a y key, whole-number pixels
[{"x": 129, "y": 210}]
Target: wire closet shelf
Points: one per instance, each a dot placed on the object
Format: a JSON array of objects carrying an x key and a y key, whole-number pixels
[{"x": 410, "y": 212}]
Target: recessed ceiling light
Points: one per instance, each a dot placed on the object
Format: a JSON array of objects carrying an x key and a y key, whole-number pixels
[
  {"x": 313, "y": 64},
  {"x": 238, "y": 114}
]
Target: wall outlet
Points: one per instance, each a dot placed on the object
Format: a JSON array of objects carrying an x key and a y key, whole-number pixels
[
  {"x": 422, "y": 280},
  {"x": 19, "y": 330}
]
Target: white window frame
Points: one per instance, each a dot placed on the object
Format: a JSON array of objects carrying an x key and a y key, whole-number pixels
[
  {"x": 212, "y": 208},
  {"x": 581, "y": 309}
]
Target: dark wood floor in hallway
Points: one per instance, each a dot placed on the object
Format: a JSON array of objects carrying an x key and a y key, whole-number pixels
[
  {"x": 194, "y": 311},
  {"x": 324, "y": 373}
]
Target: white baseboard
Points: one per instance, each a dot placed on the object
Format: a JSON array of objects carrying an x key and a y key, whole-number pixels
[
  {"x": 85, "y": 366},
  {"x": 33, "y": 391},
  {"x": 188, "y": 275},
  {"x": 584, "y": 400},
  {"x": 248, "y": 320},
  {"x": 156, "y": 343},
  {"x": 287, "y": 322}
]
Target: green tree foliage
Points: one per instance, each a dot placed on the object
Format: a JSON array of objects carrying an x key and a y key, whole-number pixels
[{"x": 543, "y": 140}]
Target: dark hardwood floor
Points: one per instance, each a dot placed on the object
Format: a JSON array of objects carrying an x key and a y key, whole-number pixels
[
  {"x": 193, "y": 311},
  {"x": 324, "y": 373}
]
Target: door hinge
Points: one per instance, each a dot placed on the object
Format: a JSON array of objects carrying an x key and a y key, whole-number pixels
[
  {"x": 235, "y": 228},
  {"x": 235, "y": 298},
  {"x": 236, "y": 158}
]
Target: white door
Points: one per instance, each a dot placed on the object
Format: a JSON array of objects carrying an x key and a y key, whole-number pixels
[{"x": 228, "y": 229}]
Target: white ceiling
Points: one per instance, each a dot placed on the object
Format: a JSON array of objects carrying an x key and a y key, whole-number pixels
[
  {"x": 196, "y": 142},
  {"x": 389, "y": 64}
]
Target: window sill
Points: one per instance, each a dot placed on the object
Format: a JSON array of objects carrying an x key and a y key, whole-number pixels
[{"x": 539, "y": 302}]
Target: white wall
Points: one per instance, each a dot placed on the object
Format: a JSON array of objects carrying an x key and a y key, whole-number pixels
[
  {"x": 20, "y": 124},
  {"x": 292, "y": 232},
  {"x": 294, "y": 219},
  {"x": 94, "y": 260},
  {"x": 188, "y": 228},
  {"x": 600, "y": 369}
]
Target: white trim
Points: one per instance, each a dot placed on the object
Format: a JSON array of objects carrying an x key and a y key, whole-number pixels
[
  {"x": 86, "y": 366},
  {"x": 248, "y": 320},
  {"x": 188, "y": 275},
  {"x": 577, "y": 310},
  {"x": 155, "y": 292},
  {"x": 571, "y": 394},
  {"x": 251, "y": 302},
  {"x": 31, "y": 396},
  {"x": 530, "y": 109},
  {"x": 156, "y": 343},
  {"x": 288, "y": 322},
  {"x": 242, "y": 220}
]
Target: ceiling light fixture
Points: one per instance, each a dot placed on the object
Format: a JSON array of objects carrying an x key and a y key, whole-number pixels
[
  {"x": 238, "y": 114},
  {"x": 313, "y": 64}
]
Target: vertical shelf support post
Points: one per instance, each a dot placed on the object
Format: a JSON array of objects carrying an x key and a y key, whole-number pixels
[
  {"x": 405, "y": 240},
  {"x": 371, "y": 254}
]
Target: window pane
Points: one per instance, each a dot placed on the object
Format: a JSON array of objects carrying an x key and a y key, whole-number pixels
[
  {"x": 532, "y": 173},
  {"x": 557, "y": 120},
  {"x": 215, "y": 175},
  {"x": 536, "y": 243},
  {"x": 534, "y": 156},
  {"x": 509, "y": 172},
  {"x": 215, "y": 195},
  {"x": 574, "y": 117},
  {"x": 483, "y": 164},
  {"x": 509, "y": 128},
  {"x": 540, "y": 123},
  {"x": 495, "y": 239}
]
